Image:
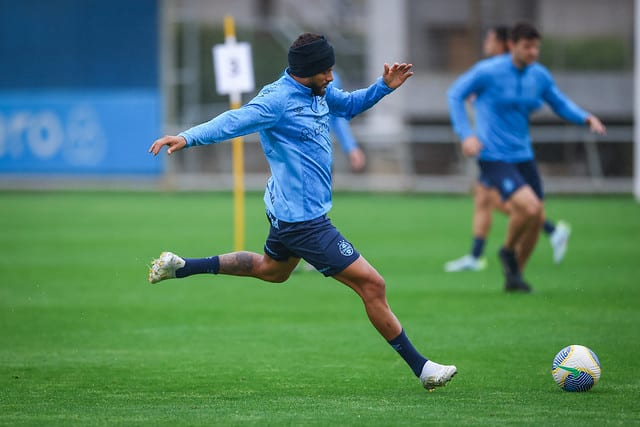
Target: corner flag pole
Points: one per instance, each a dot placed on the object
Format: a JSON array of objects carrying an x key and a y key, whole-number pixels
[{"x": 237, "y": 153}]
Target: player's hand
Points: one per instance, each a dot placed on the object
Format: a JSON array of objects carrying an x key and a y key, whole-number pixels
[
  {"x": 174, "y": 143},
  {"x": 471, "y": 146},
  {"x": 357, "y": 160},
  {"x": 397, "y": 74},
  {"x": 596, "y": 126}
]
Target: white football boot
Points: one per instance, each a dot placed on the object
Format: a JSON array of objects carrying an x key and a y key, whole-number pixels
[
  {"x": 559, "y": 240},
  {"x": 467, "y": 262},
  {"x": 435, "y": 375},
  {"x": 165, "y": 267}
]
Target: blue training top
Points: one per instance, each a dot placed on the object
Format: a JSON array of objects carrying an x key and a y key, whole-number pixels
[
  {"x": 294, "y": 133},
  {"x": 505, "y": 98}
]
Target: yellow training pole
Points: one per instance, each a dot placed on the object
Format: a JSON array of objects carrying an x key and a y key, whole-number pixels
[{"x": 237, "y": 154}]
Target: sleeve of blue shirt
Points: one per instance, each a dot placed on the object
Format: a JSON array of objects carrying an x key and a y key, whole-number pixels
[
  {"x": 561, "y": 105},
  {"x": 340, "y": 126},
  {"x": 350, "y": 104},
  {"x": 260, "y": 113},
  {"x": 468, "y": 83}
]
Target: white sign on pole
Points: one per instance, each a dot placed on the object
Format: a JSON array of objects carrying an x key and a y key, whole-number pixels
[{"x": 233, "y": 68}]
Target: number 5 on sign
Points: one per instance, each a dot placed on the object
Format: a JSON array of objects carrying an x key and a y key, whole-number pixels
[{"x": 233, "y": 68}]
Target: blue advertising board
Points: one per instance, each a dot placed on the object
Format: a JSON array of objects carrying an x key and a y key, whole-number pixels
[
  {"x": 100, "y": 132},
  {"x": 80, "y": 92}
]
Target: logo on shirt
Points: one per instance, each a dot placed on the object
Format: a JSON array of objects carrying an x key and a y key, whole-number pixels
[
  {"x": 345, "y": 248},
  {"x": 273, "y": 220},
  {"x": 320, "y": 126}
]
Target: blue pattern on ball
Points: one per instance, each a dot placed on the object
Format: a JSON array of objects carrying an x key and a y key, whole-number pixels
[{"x": 573, "y": 378}]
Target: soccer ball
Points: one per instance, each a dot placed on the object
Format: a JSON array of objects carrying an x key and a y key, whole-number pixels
[{"x": 576, "y": 368}]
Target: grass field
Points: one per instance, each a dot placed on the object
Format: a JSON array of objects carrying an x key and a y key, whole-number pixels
[{"x": 85, "y": 340}]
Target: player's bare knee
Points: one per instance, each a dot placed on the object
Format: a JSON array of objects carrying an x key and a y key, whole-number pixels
[
  {"x": 374, "y": 289},
  {"x": 534, "y": 210},
  {"x": 277, "y": 277},
  {"x": 483, "y": 200}
]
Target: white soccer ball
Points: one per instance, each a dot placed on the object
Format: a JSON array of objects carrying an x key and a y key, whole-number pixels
[{"x": 576, "y": 368}]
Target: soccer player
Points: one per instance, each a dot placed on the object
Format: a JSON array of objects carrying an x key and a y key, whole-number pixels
[
  {"x": 292, "y": 116},
  {"x": 486, "y": 199},
  {"x": 508, "y": 88}
]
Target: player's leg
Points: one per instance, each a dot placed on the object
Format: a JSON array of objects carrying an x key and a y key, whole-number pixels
[
  {"x": 324, "y": 247},
  {"x": 526, "y": 202},
  {"x": 525, "y": 217},
  {"x": 521, "y": 231},
  {"x": 370, "y": 286},
  {"x": 498, "y": 204},
  {"x": 528, "y": 240},
  {"x": 529, "y": 172},
  {"x": 524, "y": 208},
  {"x": 482, "y": 210},
  {"x": 481, "y": 224},
  {"x": 548, "y": 227},
  {"x": 264, "y": 267},
  {"x": 482, "y": 217},
  {"x": 275, "y": 265},
  {"x": 558, "y": 234}
]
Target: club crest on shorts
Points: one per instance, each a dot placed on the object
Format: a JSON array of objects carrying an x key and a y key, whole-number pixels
[
  {"x": 345, "y": 248},
  {"x": 508, "y": 185}
]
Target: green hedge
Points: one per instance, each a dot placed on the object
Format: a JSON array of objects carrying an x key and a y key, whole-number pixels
[{"x": 593, "y": 53}]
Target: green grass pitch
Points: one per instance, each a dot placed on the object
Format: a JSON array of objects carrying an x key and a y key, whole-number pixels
[{"x": 85, "y": 340}]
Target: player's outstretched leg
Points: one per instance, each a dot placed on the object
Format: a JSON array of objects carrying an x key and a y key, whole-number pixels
[{"x": 370, "y": 286}]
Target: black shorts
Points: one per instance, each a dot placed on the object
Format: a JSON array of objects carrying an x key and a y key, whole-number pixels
[
  {"x": 509, "y": 177},
  {"x": 316, "y": 241}
]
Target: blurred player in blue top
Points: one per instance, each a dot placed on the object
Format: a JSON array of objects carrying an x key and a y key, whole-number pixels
[
  {"x": 340, "y": 127},
  {"x": 508, "y": 88},
  {"x": 486, "y": 199},
  {"x": 292, "y": 116}
]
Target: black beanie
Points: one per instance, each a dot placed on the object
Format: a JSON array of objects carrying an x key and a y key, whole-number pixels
[{"x": 311, "y": 58}]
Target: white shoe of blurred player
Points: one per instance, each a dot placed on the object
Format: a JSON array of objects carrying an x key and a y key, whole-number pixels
[
  {"x": 303, "y": 266},
  {"x": 165, "y": 267},
  {"x": 435, "y": 375},
  {"x": 559, "y": 240},
  {"x": 467, "y": 262}
]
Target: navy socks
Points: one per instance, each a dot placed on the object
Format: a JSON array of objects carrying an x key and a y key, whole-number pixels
[
  {"x": 192, "y": 266},
  {"x": 548, "y": 227},
  {"x": 509, "y": 261},
  {"x": 478, "y": 247},
  {"x": 403, "y": 346}
]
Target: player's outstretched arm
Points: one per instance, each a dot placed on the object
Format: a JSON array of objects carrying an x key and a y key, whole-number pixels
[
  {"x": 174, "y": 143},
  {"x": 394, "y": 76},
  {"x": 595, "y": 125}
]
